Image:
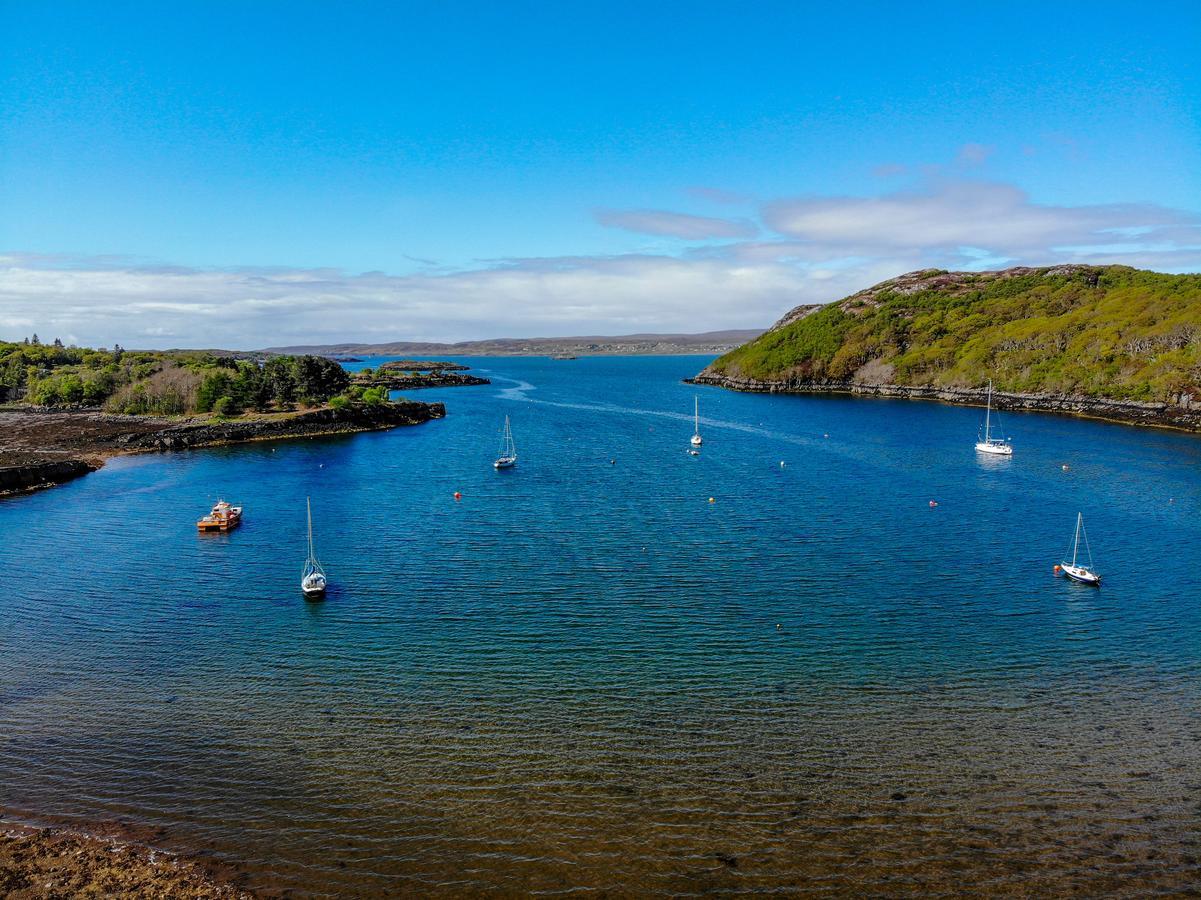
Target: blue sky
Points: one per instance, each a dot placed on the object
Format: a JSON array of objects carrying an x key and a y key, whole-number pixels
[{"x": 197, "y": 173}]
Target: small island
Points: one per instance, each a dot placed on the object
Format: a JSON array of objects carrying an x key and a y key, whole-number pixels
[
  {"x": 65, "y": 410},
  {"x": 408, "y": 374}
]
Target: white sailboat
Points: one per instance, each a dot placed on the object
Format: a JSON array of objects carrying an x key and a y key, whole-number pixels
[
  {"x": 508, "y": 450},
  {"x": 312, "y": 579},
  {"x": 696, "y": 422},
  {"x": 990, "y": 444},
  {"x": 1083, "y": 574}
]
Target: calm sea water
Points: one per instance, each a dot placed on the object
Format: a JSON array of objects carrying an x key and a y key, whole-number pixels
[{"x": 583, "y": 674}]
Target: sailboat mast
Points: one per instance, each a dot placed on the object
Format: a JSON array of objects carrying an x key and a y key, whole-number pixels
[
  {"x": 988, "y": 413},
  {"x": 309, "y": 504},
  {"x": 1076, "y": 544},
  {"x": 696, "y": 415}
]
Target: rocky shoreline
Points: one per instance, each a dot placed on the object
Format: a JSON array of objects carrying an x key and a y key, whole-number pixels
[
  {"x": 399, "y": 381},
  {"x": 1185, "y": 416},
  {"x": 407, "y": 374},
  {"x": 43, "y": 448},
  {"x": 53, "y": 862}
]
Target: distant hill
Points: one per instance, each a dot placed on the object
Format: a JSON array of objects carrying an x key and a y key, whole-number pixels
[
  {"x": 708, "y": 342},
  {"x": 1060, "y": 333}
]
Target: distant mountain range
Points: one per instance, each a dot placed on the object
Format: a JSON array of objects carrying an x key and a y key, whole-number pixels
[{"x": 708, "y": 342}]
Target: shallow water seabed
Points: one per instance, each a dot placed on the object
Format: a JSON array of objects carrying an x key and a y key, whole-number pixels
[{"x": 573, "y": 676}]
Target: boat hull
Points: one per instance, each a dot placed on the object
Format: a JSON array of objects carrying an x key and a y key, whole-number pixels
[
  {"x": 1082, "y": 576},
  {"x": 994, "y": 449},
  {"x": 505, "y": 462}
]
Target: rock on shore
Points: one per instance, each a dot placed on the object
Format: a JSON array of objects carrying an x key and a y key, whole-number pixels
[
  {"x": 349, "y": 420},
  {"x": 45, "y": 447},
  {"x": 48, "y": 863},
  {"x": 1186, "y": 415},
  {"x": 39, "y": 473}
]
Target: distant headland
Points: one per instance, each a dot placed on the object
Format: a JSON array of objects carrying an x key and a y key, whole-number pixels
[
  {"x": 566, "y": 347},
  {"x": 1110, "y": 342}
]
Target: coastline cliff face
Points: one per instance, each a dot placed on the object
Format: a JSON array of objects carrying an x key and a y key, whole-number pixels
[{"x": 1104, "y": 341}]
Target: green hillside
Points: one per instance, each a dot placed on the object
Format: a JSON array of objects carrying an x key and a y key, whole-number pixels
[{"x": 1101, "y": 331}]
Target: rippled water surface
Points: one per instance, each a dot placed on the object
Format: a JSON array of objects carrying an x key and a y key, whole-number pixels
[{"x": 583, "y": 674}]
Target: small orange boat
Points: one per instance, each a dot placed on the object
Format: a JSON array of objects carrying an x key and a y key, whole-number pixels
[{"x": 223, "y": 518}]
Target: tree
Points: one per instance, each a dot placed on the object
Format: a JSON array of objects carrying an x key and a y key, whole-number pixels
[
  {"x": 215, "y": 385},
  {"x": 279, "y": 375},
  {"x": 318, "y": 378},
  {"x": 226, "y": 408},
  {"x": 375, "y": 396}
]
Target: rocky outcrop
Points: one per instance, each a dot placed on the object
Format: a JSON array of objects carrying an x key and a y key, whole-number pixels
[
  {"x": 349, "y": 420},
  {"x": 46, "y": 447},
  {"x": 423, "y": 365},
  {"x": 400, "y": 381},
  {"x": 796, "y": 314},
  {"x": 1186, "y": 414},
  {"x": 29, "y": 476}
]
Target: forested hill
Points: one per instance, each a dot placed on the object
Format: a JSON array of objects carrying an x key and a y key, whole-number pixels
[
  {"x": 1092, "y": 331},
  {"x": 171, "y": 382}
]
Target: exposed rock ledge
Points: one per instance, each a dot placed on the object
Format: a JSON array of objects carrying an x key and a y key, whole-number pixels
[
  {"x": 1185, "y": 415},
  {"x": 40, "y": 448},
  {"x": 309, "y": 424},
  {"x": 29, "y": 476},
  {"x": 432, "y": 378}
]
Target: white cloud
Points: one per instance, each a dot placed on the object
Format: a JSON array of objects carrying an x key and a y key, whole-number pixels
[
  {"x": 823, "y": 248},
  {"x": 151, "y": 306},
  {"x": 998, "y": 218}
]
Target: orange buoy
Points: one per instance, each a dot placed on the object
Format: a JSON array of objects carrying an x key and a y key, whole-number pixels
[
  {"x": 458, "y": 496},
  {"x": 1057, "y": 569},
  {"x": 711, "y": 500}
]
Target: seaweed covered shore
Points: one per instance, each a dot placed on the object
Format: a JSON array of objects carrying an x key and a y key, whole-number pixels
[{"x": 40, "y": 448}]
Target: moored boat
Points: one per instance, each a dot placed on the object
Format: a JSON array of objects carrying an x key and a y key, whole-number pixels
[
  {"x": 223, "y": 517},
  {"x": 508, "y": 450},
  {"x": 1083, "y": 574},
  {"x": 990, "y": 444},
  {"x": 696, "y": 422},
  {"x": 312, "y": 578}
]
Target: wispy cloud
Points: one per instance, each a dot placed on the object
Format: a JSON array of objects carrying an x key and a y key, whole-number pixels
[
  {"x": 946, "y": 215},
  {"x": 974, "y": 154},
  {"x": 718, "y": 195},
  {"x": 677, "y": 225}
]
